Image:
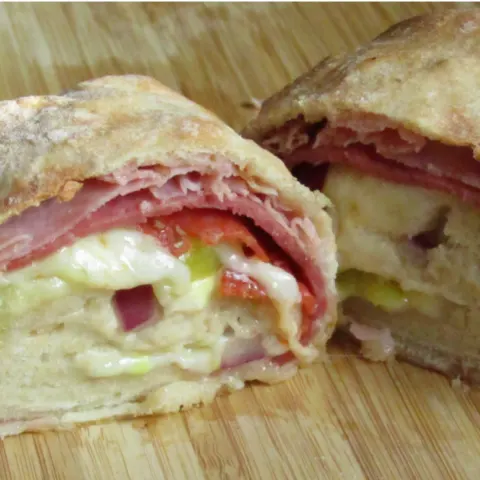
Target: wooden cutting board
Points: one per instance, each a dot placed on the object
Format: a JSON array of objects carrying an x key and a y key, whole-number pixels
[{"x": 349, "y": 419}]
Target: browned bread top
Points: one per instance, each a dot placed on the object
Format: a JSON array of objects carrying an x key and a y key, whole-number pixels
[
  {"x": 50, "y": 144},
  {"x": 423, "y": 73}
]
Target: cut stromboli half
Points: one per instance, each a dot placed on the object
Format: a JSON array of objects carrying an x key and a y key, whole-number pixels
[
  {"x": 391, "y": 135},
  {"x": 150, "y": 257}
]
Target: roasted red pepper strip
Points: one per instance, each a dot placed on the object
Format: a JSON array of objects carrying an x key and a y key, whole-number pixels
[
  {"x": 214, "y": 227},
  {"x": 168, "y": 237},
  {"x": 309, "y": 302},
  {"x": 233, "y": 284}
]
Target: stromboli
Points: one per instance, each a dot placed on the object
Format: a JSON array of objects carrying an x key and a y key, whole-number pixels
[{"x": 151, "y": 257}]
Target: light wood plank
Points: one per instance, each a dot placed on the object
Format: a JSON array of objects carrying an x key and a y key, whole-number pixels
[{"x": 349, "y": 419}]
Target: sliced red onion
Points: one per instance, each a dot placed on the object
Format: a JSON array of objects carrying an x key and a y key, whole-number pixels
[
  {"x": 135, "y": 306},
  {"x": 242, "y": 350}
]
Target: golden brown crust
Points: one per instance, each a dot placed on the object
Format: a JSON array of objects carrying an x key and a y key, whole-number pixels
[
  {"x": 423, "y": 73},
  {"x": 51, "y": 141}
]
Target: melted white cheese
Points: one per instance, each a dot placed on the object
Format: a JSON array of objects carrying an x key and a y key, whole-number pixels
[
  {"x": 121, "y": 259},
  {"x": 281, "y": 286},
  {"x": 114, "y": 260},
  {"x": 195, "y": 299},
  {"x": 98, "y": 364}
]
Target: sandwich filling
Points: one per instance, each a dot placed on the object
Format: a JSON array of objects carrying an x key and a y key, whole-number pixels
[
  {"x": 406, "y": 215},
  {"x": 148, "y": 277}
]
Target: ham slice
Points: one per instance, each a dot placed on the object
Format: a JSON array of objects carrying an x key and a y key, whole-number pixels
[
  {"x": 379, "y": 148},
  {"x": 42, "y": 225},
  {"x": 367, "y": 160}
]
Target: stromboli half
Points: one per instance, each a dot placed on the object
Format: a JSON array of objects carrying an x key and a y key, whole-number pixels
[
  {"x": 391, "y": 134},
  {"x": 150, "y": 257}
]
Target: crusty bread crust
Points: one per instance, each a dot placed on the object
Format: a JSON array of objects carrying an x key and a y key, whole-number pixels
[
  {"x": 49, "y": 144},
  {"x": 465, "y": 369},
  {"x": 173, "y": 398},
  {"x": 421, "y": 73},
  {"x": 454, "y": 366}
]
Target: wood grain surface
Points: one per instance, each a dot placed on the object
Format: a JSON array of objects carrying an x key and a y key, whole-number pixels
[{"x": 349, "y": 419}]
